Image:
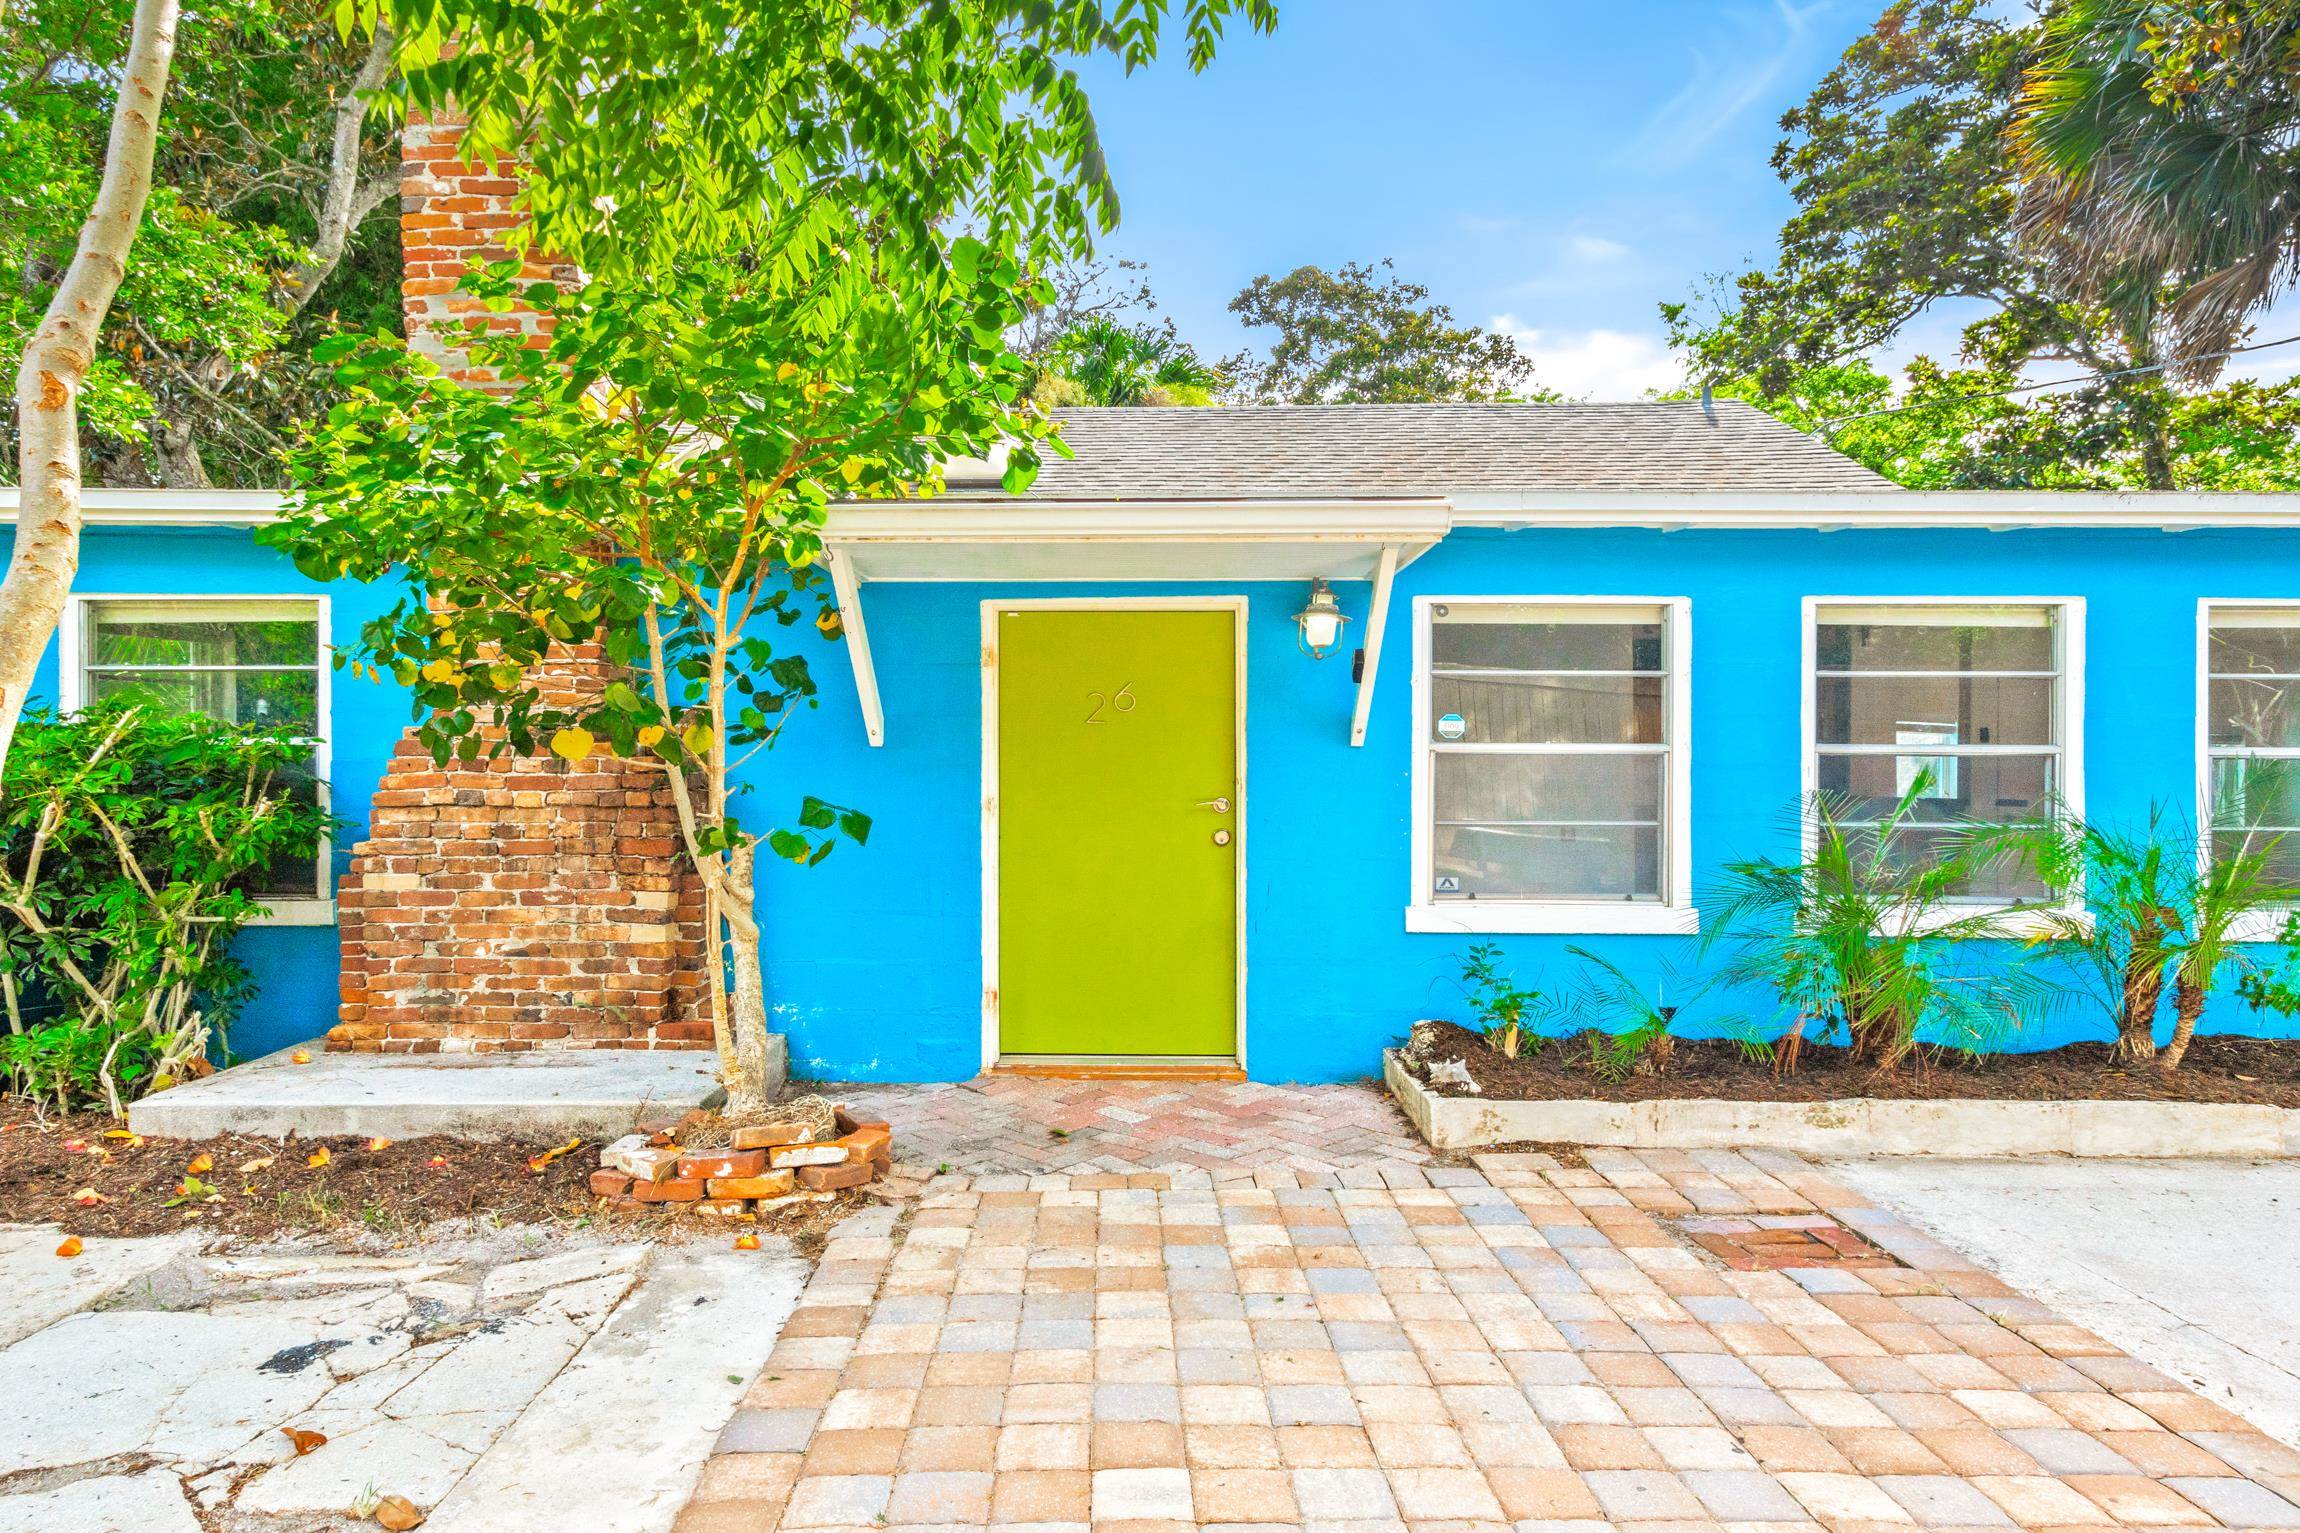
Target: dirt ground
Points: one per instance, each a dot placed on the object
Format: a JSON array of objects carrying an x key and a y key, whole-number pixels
[
  {"x": 258, "y": 1188},
  {"x": 2217, "y": 1069}
]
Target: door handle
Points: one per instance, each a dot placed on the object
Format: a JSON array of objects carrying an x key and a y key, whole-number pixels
[{"x": 1218, "y": 805}]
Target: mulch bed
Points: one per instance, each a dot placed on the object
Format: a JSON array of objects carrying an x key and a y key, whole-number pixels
[
  {"x": 2216, "y": 1069},
  {"x": 270, "y": 1187}
]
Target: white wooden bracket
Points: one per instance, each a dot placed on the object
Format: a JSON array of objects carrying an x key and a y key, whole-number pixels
[
  {"x": 848, "y": 585},
  {"x": 1377, "y": 620}
]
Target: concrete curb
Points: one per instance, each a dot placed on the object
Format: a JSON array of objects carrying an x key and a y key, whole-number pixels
[{"x": 1854, "y": 1125}]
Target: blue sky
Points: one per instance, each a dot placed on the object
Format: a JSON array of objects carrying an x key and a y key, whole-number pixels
[{"x": 1552, "y": 167}]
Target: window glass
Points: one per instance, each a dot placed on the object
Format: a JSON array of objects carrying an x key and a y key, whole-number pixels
[
  {"x": 1958, "y": 705},
  {"x": 245, "y": 662},
  {"x": 1548, "y": 776},
  {"x": 2252, "y": 732}
]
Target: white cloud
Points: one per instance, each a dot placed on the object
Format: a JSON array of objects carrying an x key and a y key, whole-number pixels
[
  {"x": 1480, "y": 223},
  {"x": 1729, "y": 74},
  {"x": 1595, "y": 250},
  {"x": 1595, "y": 364}
]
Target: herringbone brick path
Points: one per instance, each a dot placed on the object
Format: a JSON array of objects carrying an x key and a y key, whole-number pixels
[
  {"x": 1529, "y": 1346},
  {"x": 1034, "y": 1127}
]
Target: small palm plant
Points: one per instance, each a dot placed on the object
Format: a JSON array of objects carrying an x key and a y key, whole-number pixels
[
  {"x": 2227, "y": 893},
  {"x": 1649, "y": 1043},
  {"x": 1867, "y": 933},
  {"x": 2141, "y": 909},
  {"x": 2116, "y": 912}
]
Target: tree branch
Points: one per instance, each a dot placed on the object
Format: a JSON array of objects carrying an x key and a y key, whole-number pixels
[{"x": 348, "y": 199}]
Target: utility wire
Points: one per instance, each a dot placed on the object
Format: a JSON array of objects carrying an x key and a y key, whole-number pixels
[{"x": 1823, "y": 428}]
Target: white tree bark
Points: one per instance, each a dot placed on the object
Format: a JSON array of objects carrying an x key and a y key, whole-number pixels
[
  {"x": 347, "y": 200},
  {"x": 748, "y": 1089},
  {"x": 56, "y": 363}
]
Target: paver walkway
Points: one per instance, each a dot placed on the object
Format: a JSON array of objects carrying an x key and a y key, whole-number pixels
[
  {"x": 1526, "y": 1342},
  {"x": 1016, "y": 1124}
]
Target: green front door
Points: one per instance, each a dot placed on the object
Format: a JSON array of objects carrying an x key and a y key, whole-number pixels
[{"x": 1118, "y": 822}]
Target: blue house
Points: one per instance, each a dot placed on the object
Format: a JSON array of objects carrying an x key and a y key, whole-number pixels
[{"x": 1220, "y": 745}]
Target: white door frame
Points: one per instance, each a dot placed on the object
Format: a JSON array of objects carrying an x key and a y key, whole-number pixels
[{"x": 1234, "y": 605}]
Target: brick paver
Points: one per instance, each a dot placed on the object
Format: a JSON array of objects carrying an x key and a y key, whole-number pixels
[
  {"x": 1016, "y": 1124},
  {"x": 1525, "y": 1343}
]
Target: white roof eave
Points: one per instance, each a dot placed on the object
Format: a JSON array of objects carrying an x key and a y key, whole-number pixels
[
  {"x": 984, "y": 520},
  {"x": 1989, "y": 510}
]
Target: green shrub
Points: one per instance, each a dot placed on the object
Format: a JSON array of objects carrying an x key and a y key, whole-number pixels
[
  {"x": 128, "y": 836},
  {"x": 1507, "y": 1013},
  {"x": 1869, "y": 934}
]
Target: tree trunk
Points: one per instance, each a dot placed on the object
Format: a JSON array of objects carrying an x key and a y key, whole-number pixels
[
  {"x": 2156, "y": 454},
  {"x": 176, "y": 456},
  {"x": 348, "y": 200},
  {"x": 2136, "y": 1021},
  {"x": 748, "y": 1089},
  {"x": 2187, "y": 1009},
  {"x": 56, "y": 363}
]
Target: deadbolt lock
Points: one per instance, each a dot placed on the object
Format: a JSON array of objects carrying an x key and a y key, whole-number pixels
[{"x": 1221, "y": 838}]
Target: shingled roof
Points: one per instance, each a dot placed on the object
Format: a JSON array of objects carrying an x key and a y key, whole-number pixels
[{"x": 1352, "y": 452}]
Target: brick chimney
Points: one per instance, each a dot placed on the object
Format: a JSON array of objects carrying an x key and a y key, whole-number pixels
[{"x": 519, "y": 903}]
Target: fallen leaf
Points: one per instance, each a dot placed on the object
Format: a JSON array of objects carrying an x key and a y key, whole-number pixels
[
  {"x": 75, "y": 1145},
  {"x": 398, "y": 1514},
  {"x": 89, "y": 1197},
  {"x": 438, "y": 1163},
  {"x": 746, "y": 1242},
  {"x": 200, "y": 1165},
  {"x": 304, "y": 1441},
  {"x": 70, "y": 1248},
  {"x": 318, "y": 1157},
  {"x": 132, "y": 1141},
  {"x": 251, "y": 1167},
  {"x": 301, "y": 1057},
  {"x": 374, "y": 1145}
]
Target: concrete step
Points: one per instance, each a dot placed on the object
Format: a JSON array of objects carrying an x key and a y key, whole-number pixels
[{"x": 597, "y": 1093}]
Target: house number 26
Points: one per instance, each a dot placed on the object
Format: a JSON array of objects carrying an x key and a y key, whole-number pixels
[{"x": 1120, "y": 701}]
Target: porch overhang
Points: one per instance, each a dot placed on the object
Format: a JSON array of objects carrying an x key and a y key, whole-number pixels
[{"x": 1200, "y": 542}]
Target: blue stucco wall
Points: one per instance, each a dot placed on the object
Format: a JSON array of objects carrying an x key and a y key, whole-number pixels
[{"x": 873, "y": 957}]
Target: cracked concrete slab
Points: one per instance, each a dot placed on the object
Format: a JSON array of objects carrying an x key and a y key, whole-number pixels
[
  {"x": 157, "y": 1377},
  {"x": 42, "y": 1288},
  {"x": 151, "y": 1502},
  {"x": 676, "y": 1357}
]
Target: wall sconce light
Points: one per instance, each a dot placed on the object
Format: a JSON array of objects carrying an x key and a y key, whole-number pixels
[{"x": 1319, "y": 623}]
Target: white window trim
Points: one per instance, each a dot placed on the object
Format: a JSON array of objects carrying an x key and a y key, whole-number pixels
[
  {"x": 1674, "y": 913},
  {"x": 2266, "y": 925},
  {"x": 2020, "y": 918},
  {"x": 72, "y": 695}
]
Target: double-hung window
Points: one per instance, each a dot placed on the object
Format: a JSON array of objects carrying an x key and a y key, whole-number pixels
[
  {"x": 2252, "y": 731},
  {"x": 1550, "y": 782},
  {"x": 1966, "y": 705},
  {"x": 251, "y": 660}
]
